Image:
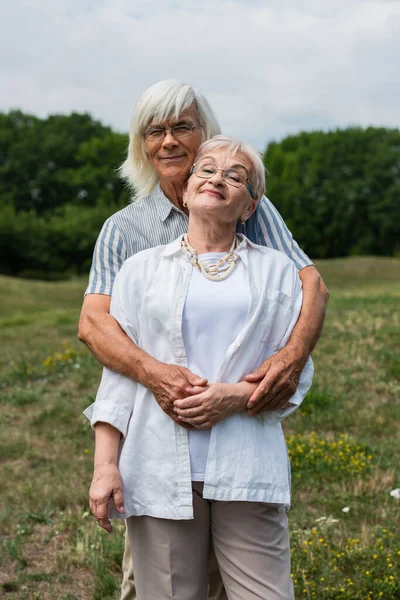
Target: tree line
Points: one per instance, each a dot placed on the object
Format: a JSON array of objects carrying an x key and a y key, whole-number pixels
[{"x": 338, "y": 191}]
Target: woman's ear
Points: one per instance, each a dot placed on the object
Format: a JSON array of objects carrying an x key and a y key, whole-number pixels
[
  {"x": 184, "y": 194},
  {"x": 249, "y": 211}
]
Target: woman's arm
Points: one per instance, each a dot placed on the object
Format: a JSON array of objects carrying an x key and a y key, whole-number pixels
[{"x": 106, "y": 482}]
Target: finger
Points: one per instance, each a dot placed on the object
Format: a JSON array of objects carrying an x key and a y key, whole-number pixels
[
  {"x": 198, "y": 422},
  {"x": 195, "y": 380},
  {"x": 100, "y": 508},
  {"x": 255, "y": 376},
  {"x": 118, "y": 497},
  {"x": 190, "y": 413},
  {"x": 262, "y": 406},
  {"x": 105, "y": 524},
  {"x": 264, "y": 388},
  {"x": 261, "y": 392},
  {"x": 283, "y": 391},
  {"x": 196, "y": 390},
  {"x": 270, "y": 402},
  {"x": 259, "y": 373},
  {"x": 190, "y": 402}
]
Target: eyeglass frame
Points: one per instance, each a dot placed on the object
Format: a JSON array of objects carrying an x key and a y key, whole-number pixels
[
  {"x": 246, "y": 181},
  {"x": 171, "y": 130}
]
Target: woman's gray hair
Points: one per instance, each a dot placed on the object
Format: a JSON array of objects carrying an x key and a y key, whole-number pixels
[
  {"x": 257, "y": 173},
  {"x": 159, "y": 103}
]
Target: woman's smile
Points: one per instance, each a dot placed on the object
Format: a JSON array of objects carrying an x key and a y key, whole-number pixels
[{"x": 211, "y": 192}]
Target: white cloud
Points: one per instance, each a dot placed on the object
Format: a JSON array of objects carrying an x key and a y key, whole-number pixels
[{"x": 268, "y": 68}]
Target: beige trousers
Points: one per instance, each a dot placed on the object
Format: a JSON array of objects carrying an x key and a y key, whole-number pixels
[
  {"x": 250, "y": 541},
  {"x": 128, "y": 590}
]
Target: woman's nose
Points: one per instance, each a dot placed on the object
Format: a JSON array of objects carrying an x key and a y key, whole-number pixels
[{"x": 217, "y": 178}]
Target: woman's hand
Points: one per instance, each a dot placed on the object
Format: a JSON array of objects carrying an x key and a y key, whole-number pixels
[
  {"x": 106, "y": 484},
  {"x": 209, "y": 407}
]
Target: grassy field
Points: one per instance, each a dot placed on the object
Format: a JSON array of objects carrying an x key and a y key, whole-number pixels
[{"x": 344, "y": 445}]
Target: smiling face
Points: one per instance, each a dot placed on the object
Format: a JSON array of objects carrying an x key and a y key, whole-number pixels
[
  {"x": 172, "y": 158},
  {"x": 217, "y": 197}
]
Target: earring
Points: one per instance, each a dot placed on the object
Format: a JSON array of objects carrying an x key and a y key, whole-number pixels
[{"x": 184, "y": 204}]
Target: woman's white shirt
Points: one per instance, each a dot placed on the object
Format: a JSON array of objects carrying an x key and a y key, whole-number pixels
[
  {"x": 213, "y": 316},
  {"x": 247, "y": 458}
]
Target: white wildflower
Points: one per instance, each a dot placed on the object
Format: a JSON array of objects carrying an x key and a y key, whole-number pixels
[
  {"x": 395, "y": 493},
  {"x": 346, "y": 509}
]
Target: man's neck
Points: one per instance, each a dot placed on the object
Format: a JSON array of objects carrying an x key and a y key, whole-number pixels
[{"x": 174, "y": 192}]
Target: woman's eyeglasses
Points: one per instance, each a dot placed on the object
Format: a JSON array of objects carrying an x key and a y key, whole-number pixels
[{"x": 235, "y": 176}]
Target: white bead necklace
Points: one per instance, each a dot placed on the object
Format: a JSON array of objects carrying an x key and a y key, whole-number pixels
[{"x": 217, "y": 271}]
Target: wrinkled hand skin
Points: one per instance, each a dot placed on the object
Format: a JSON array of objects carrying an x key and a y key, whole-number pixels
[
  {"x": 169, "y": 383},
  {"x": 106, "y": 484},
  {"x": 279, "y": 377},
  {"x": 205, "y": 409}
]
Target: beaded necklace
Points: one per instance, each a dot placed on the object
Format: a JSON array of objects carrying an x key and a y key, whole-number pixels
[{"x": 216, "y": 271}]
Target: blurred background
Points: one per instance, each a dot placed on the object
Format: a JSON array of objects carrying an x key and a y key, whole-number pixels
[{"x": 314, "y": 87}]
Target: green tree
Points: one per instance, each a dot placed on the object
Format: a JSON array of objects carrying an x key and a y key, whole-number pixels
[{"x": 338, "y": 191}]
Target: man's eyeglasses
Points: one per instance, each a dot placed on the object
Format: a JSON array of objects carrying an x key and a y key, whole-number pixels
[
  {"x": 157, "y": 134},
  {"x": 235, "y": 176}
]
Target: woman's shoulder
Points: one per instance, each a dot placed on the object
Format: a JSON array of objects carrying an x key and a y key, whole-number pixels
[{"x": 266, "y": 253}]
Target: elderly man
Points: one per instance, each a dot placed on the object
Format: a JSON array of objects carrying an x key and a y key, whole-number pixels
[{"x": 168, "y": 125}]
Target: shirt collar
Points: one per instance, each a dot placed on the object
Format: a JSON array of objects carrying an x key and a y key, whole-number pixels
[
  {"x": 164, "y": 206},
  {"x": 242, "y": 250}
]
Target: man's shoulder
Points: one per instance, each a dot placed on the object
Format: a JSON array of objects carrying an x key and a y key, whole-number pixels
[{"x": 132, "y": 210}]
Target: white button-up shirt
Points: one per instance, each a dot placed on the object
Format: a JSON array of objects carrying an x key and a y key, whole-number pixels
[{"x": 247, "y": 457}]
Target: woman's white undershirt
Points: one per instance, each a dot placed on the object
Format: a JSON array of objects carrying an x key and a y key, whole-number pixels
[{"x": 213, "y": 316}]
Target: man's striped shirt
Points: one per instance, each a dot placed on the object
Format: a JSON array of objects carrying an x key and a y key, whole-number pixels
[{"x": 154, "y": 221}]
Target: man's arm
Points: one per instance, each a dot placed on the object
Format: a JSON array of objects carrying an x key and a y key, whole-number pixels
[
  {"x": 116, "y": 351},
  {"x": 279, "y": 375}
]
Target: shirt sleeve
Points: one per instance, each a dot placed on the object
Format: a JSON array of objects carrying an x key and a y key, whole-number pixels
[
  {"x": 108, "y": 257},
  {"x": 115, "y": 397},
  {"x": 272, "y": 231},
  {"x": 307, "y": 373}
]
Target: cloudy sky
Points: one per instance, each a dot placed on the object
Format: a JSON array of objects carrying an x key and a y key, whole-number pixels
[{"x": 268, "y": 67}]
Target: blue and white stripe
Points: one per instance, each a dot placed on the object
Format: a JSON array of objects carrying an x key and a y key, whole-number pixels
[{"x": 154, "y": 221}]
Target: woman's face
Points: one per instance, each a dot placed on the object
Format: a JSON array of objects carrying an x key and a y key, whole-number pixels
[
  {"x": 172, "y": 158},
  {"x": 217, "y": 197}
]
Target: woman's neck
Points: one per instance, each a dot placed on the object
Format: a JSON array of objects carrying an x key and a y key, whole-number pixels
[
  {"x": 209, "y": 237},
  {"x": 174, "y": 192}
]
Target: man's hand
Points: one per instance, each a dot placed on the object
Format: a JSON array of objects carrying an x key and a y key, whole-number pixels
[
  {"x": 218, "y": 401},
  {"x": 106, "y": 484},
  {"x": 279, "y": 377},
  {"x": 169, "y": 383}
]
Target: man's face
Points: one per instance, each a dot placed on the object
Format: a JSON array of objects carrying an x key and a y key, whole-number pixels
[{"x": 172, "y": 157}]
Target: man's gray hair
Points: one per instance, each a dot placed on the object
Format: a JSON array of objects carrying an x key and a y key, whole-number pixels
[
  {"x": 257, "y": 173},
  {"x": 159, "y": 103}
]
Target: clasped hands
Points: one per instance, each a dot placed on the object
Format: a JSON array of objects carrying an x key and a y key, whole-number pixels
[{"x": 192, "y": 403}]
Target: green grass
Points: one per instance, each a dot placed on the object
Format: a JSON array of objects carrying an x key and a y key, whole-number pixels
[{"x": 344, "y": 445}]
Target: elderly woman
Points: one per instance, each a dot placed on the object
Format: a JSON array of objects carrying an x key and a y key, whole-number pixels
[{"x": 218, "y": 304}]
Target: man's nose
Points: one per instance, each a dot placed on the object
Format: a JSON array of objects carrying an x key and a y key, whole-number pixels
[{"x": 169, "y": 140}]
